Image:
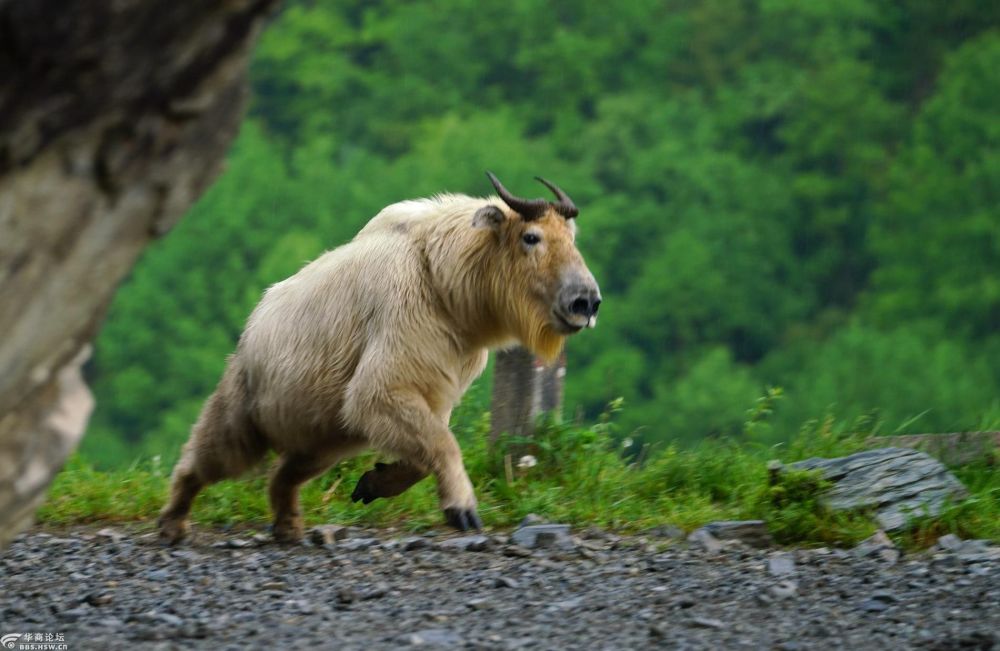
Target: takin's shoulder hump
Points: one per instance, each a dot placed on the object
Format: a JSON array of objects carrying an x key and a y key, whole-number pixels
[{"x": 417, "y": 217}]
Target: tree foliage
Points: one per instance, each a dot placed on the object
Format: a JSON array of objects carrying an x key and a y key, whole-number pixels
[{"x": 772, "y": 192}]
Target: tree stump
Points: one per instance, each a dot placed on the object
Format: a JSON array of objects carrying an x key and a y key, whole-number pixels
[{"x": 523, "y": 389}]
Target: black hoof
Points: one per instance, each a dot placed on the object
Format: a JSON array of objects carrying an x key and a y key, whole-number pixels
[
  {"x": 463, "y": 519},
  {"x": 361, "y": 493},
  {"x": 364, "y": 492}
]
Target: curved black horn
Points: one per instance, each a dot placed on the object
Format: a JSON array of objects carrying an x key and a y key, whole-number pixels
[
  {"x": 529, "y": 209},
  {"x": 565, "y": 207}
]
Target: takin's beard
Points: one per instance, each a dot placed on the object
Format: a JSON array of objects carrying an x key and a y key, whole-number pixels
[
  {"x": 547, "y": 344},
  {"x": 538, "y": 336},
  {"x": 512, "y": 315}
]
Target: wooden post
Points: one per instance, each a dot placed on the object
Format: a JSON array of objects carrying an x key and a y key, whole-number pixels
[{"x": 524, "y": 388}]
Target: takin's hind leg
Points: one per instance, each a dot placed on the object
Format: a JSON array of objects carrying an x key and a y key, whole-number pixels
[
  {"x": 292, "y": 471},
  {"x": 221, "y": 446},
  {"x": 386, "y": 480}
]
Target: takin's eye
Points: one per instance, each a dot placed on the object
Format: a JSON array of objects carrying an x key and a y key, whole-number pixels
[{"x": 531, "y": 239}]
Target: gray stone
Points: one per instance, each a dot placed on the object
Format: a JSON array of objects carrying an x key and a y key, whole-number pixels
[
  {"x": 546, "y": 539},
  {"x": 992, "y": 554},
  {"x": 667, "y": 531},
  {"x": 780, "y": 564},
  {"x": 763, "y": 599},
  {"x": 875, "y": 541},
  {"x": 751, "y": 532},
  {"x": 873, "y": 605},
  {"x": 113, "y": 534},
  {"x": 566, "y": 604},
  {"x": 158, "y": 575},
  {"x": 186, "y": 554},
  {"x": 596, "y": 533},
  {"x": 969, "y": 551},
  {"x": 783, "y": 590},
  {"x": 99, "y": 598},
  {"x": 146, "y": 633},
  {"x": 377, "y": 591},
  {"x": 897, "y": 483},
  {"x": 790, "y": 646},
  {"x": 357, "y": 544},
  {"x": 516, "y": 551},
  {"x": 433, "y": 637},
  {"x": 475, "y": 543},
  {"x": 706, "y": 622},
  {"x": 950, "y": 542},
  {"x": 702, "y": 538},
  {"x": 884, "y": 595},
  {"x": 415, "y": 542},
  {"x": 170, "y": 620},
  {"x": 73, "y": 614},
  {"x": 684, "y": 602},
  {"x": 543, "y": 535},
  {"x": 327, "y": 534},
  {"x": 234, "y": 543},
  {"x": 505, "y": 582},
  {"x": 532, "y": 519},
  {"x": 880, "y": 546}
]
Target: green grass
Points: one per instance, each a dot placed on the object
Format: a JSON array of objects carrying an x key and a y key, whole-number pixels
[{"x": 581, "y": 476}]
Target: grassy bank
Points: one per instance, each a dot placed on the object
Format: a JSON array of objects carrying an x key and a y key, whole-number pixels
[{"x": 580, "y": 475}]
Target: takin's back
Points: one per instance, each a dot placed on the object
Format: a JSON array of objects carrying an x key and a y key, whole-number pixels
[{"x": 304, "y": 340}]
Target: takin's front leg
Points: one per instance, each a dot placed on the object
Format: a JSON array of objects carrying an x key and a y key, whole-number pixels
[{"x": 403, "y": 426}]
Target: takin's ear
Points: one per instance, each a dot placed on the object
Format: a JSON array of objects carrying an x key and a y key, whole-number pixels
[{"x": 488, "y": 217}]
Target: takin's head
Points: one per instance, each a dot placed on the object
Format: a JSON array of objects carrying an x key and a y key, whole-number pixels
[{"x": 550, "y": 290}]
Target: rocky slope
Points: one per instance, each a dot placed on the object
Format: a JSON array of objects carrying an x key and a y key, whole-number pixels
[{"x": 384, "y": 590}]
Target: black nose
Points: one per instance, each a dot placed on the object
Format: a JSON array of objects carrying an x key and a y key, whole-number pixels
[{"x": 585, "y": 306}]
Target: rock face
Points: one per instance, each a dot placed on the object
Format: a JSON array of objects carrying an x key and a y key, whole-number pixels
[
  {"x": 115, "y": 118},
  {"x": 897, "y": 483}
]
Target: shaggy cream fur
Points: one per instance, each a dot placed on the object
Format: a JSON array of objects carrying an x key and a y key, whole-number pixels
[{"x": 372, "y": 344}]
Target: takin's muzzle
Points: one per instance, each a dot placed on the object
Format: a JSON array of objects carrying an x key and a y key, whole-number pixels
[{"x": 578, "y": 302}]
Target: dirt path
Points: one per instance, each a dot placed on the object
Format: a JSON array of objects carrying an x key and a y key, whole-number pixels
[{"x": 384, "y": 590}]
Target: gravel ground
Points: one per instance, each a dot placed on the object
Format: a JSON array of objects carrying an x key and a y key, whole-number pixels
[{"x": 118, "y": 589}]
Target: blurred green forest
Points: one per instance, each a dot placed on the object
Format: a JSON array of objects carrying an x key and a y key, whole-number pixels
[{"x": 773, "y": 193}]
